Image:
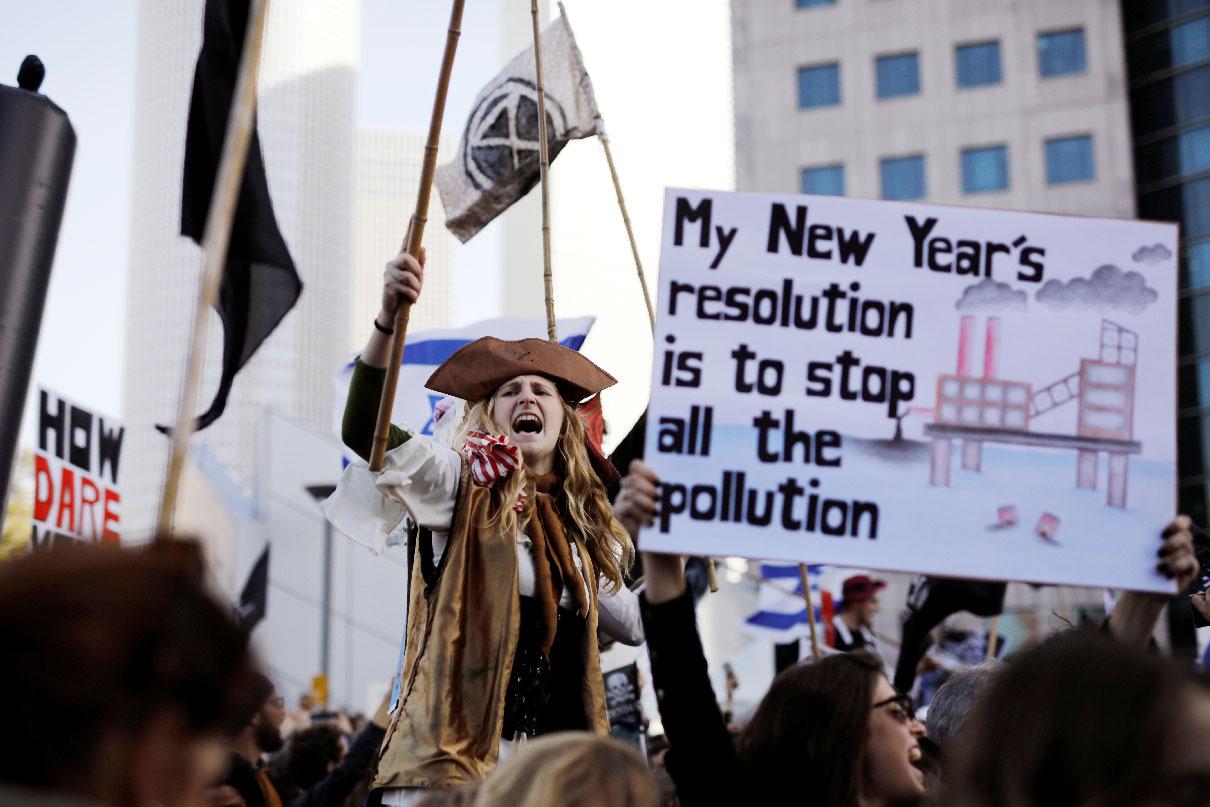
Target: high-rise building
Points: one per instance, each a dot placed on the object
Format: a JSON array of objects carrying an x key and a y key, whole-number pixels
[
  {"x": 305, "y": 111},
  {"x": 386, "y": 174},
  {"x": 1018, "y": 105},
  {"x": 1168, "y": 61}
]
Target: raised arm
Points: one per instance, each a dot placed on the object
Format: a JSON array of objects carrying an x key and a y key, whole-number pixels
[
  {"x": 701, "y": 756},
  {"x": 1135, "y": 616},
  {"x": 402, "y": 279}
]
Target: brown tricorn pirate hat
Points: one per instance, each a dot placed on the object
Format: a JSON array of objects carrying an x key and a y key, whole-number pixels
[{"x": 477, "y": 369}]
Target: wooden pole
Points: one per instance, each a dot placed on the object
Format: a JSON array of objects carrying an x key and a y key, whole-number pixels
[
  {"x": 552, "y": 331},
  {"x": 991, "y": 638},
  {"x": 804, "y": 576},
  {"x": 414, "y": 238},
  {"x": 215, "y": 241},
  {"x": 634, "y": 247}
]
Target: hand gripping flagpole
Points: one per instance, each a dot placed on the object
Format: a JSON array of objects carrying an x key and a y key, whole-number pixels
[
  {"x": 415, "y": 237},
  {"x": 805, "y": 577},
  {"x": 552, "y": 331},
  {"x": 215, "y": 241}
]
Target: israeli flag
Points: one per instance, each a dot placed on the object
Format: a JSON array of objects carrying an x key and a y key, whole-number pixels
[
  {"x": 781, "y": 614},
  {"x": 417, "y": 406}
]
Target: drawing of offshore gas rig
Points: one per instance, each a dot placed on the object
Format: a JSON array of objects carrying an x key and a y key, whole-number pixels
[{"x": 975, "y": 409}]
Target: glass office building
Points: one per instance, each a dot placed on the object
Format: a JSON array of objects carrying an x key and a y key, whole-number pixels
[{"x": 1168, "y": 64}]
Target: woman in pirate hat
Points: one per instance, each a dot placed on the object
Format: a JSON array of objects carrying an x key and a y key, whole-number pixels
[{"x": 515, "y": 557}]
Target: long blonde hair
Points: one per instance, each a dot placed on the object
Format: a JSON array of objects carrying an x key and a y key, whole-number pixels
[
  {"x": 581, "y": 499},
  {"x": 569, "y": 769}
]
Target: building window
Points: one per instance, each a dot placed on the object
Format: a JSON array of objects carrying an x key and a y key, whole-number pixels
[
  {"x": 824, "y": 180},
  {"x": 1193, "y": 321},
  {"x": 977, "y": 65},
  {"x": 1182, "y": 98},
  {"x": 819, "y": 85},
  {"x": 1188, "y": 204},
  {"x": 1193, "y": 386},
  {"x": 1069, "y": 159},
  {"x": 898, "y": 75},
  {"x": 1195, "y": 268},
  {"x": 1061, "y": 53},
  {"x": 903, "y": 177},
  {"x": 1191, "y": 41},
  {"x": 1187, "y": 153},
  {"x": 984, "y": 169},
  {"x": 812, "y": 3},
  {"x": 1177, "y": 46}
]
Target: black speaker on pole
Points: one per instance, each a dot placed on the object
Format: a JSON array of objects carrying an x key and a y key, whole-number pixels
[{"x": 37, "y": 146}]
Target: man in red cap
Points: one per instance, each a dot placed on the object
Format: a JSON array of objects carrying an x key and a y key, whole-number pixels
[{"x": 855, "y": 617}]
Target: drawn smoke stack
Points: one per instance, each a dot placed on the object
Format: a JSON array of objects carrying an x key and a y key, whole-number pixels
[
  {"x": 966, "y": 334},
  {"x": 991, "y": 345}
]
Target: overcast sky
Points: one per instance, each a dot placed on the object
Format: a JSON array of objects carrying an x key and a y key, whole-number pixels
[
  {"x": 89, "y": 49},
  {"x": 89, "y": 52}
]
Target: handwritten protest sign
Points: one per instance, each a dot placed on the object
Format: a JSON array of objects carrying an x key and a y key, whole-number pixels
[
  {"x": 76, "y": 494},
  {"x": 901, "y": 386}
]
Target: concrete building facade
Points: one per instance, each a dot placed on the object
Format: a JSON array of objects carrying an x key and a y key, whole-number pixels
[{"x": 903, "y": 89}]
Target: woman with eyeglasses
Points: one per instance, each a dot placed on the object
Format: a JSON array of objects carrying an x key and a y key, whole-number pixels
[{"x": 833, "y": 733}]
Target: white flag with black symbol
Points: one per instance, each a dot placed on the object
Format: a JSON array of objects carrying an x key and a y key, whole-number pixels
[{"x": 498, "y": 159}]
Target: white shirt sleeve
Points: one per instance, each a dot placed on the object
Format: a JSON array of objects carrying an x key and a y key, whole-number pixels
[
  {"x": 618, "y": 615},
  {"x": 418, "y": 482}
]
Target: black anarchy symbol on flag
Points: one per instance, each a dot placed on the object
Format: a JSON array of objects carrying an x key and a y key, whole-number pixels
[{"x": 502, "y": 132}]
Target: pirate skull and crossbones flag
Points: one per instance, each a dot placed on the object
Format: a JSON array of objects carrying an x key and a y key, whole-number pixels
[{"x": 498, "y": 160}]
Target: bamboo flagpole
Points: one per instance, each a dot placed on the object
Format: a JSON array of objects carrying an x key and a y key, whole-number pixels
[
  {"x": 552, "y": 331},
  {"x": 215, "y": 242},
  {"x": 804, "y": 576},
  {"x": 415, "y": 237}
]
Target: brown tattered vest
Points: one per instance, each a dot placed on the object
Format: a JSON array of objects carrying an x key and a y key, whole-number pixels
[{"x": 461, "y": 639}]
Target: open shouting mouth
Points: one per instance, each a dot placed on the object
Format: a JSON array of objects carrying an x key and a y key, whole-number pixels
[{"x": 527, "y": 423}]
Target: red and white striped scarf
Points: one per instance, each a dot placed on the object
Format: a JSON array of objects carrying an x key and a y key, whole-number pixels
[{"x": 493, "y": 457}]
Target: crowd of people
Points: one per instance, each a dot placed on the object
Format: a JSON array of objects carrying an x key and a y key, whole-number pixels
[{"x": 134, "y": 686}]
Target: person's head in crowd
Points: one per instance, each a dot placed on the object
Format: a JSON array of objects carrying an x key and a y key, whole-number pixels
[
  {"x": 954, "y": 703},
  {"x": 308, "y": 756},
  {"x": 262, "y": 734},
  {"x": 571, "y": 769},
  {"x": 840, "y": 719},
  {"x": 312, "y": 754},
  {"x": 1086, "y": 720},
  {"x": 859, "y": 599},
  {"x": 124, "y": 677},
  {"x": 307, "y": 701}
]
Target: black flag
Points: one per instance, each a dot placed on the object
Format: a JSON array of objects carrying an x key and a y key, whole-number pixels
[
  {"x": 260, "y": 284},
  {"x": 254, "y": 599}
]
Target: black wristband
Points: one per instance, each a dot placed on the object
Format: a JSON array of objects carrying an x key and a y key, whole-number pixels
[{"x": 382, "y": 328}]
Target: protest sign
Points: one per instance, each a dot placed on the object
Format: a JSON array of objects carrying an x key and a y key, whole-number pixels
[
  {"x": 76, "y": 494},
  {"x": 623, "y": 701},
  {"x": 900, "y": 386}
]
